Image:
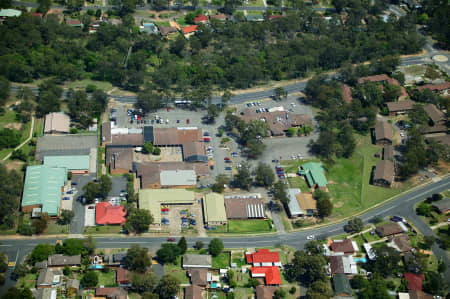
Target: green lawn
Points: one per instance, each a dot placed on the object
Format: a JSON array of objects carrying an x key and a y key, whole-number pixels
[
  {"x": 221, "y": 261},
  {"x": 249, "y": 226},
  {"x": 54, "y": 228},
  {"x": 298, "y": 182},
  {"x": 107, "y": 279},
  {"x": 238, "y": 258},
  {"x": 243, "y": 293},
  {"x": 258, "y": 3},
  {"x": 371, "y": 238},
  {"x": 8, "y": 117},
  {"x": 29, "y": 281},
  {"x": 38, "y": 127},
  {"x": 102, "y": 229},
  {"x": 176, "y": 271},
  {"x": 162, "y": 23},
  {"x": 181, "y": 22}
]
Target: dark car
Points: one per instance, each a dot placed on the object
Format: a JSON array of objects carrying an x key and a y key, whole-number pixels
[
  {"x": 91, "y": 207},
  {"x": 228, "y": 168},
  {"x": 74, "y": 183}
]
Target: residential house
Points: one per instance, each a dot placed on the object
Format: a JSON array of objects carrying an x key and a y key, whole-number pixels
[
  {"x": 385, "y": 79},
  {"x": 346, "y": 246},
  {"x": 60, "y": 260},
  {"x": 123, "y": 277},
  {"x": 199, "y": 277},
  {"x": 347, "y": 94},
  {"x": 189, "y": 30},
  {"x": 442, "y": 88},
  {"x": 41, "y": 265},
  {"x": 49, "y": 278},
  {"x": 263, "y": 258},
  {"x": 442, "y": 206},
  {"x": 167, "y": 30},
  {"x": 414, "y": 294},
  {"x": 57, "y": 123},
  {"x": 436, "y": 116},
  {"x": 111, "y": 293},
  {"x": 293, "y": 206},
  {"x": 201, "y": 19},
  {"x": 244, "y": 208},
  {"x": 107, "y": 214},
  {"x": 265, "y": 292},
  {"x": 74, "y": 23},
  {"x": 445, "y": 139},
  {"x": 435, "y": 131},
  {"x": 271, "y": 275},
  {"x": 383, "y": 133},
  {"x": 341, "y": 285},
  {"x": 400, "y": 107},
  {"x": 197, "y": 261},
  {"x": 193, "y": 292},
  {"x": 307, "y": 203},
  {"x": 219, "y": 17},
  {"x": 414, "y": 281},
  {"x": 390, "y": 229},
  {"x": 401, "y": 243},
  {"x": 79, "y": 164},
  {"x": 214, "y": 209},
  {"x": 45, "y": 293},
  {"x": 343, "y": 264},
  {"x": 314, "y": 174},
  {"x": 384, "y": 173}
]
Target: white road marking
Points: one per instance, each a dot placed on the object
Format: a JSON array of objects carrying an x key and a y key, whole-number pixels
[{"x": 17, "y": 256}]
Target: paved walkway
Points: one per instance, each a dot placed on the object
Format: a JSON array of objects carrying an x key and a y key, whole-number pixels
[{"x": 23, "y": 143}]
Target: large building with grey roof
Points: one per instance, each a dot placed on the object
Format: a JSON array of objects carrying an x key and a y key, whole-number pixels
[{"x": 65, "y": 145}]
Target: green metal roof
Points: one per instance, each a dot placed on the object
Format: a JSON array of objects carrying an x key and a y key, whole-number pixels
[
  {"x": 341, "y": 284},
  {"x": 214, "y": 208},
  {"x": 69, "y": 162},
  {"x": 314, "y": 173},
  {"x": 43, "y": 186}
]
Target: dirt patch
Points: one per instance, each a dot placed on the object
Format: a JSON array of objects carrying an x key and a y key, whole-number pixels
[
  {"x": 15, "y": 126},
  {"x": 168, "y": 154},
  {"x": 331, "y": 182},
  {"x": 14, "y": 165},
  {"x": 338, "y": 204}
]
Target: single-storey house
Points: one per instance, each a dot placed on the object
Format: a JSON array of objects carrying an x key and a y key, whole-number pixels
[
  {"x": 49, "y": 278},
  {"x": 346, "y": 246},
  {"x": 111, "y": 293},
  {"x": 271, "y": 275},
  {"x": 107, "y": 214},
  {"x": 384, "y": 173},
  {"x": 414, "y": 281},
  {"x": 214, "y": 209},
  {"x": 265, "y": 292},
  {"x": 400, "y": 107},
  {"x": 199, "y": 276},
  {"x": 60, "y": 260},
  {"x": 188, "y": 31},
  {"x": 201, "y": 19},
  {"x": 123, "y": 277},
  {"x": 57, "y": 123},
  {"x": 383, "y": 133},
  {"x": 343, "y": 264},
  {"x": 401, "y": 243},
  {"x": 197, "y": 261},
  {"x": 263, "y": 258},
  {"x": 388, "y": 152},
  {"x": 244, "y": 208},
  {"x": 390, "y": 229},
  {"x": 167, "y": 30},
  {"x": 442, "y": 88},
  {"x": 314, "y": 174},
  {"x": 307, "y": 203},
  {"x": 45, "y": 293},
  {"x": 436, "y": 116},
  {"x": 341, "y": 285},
  {"x": 193, "y": 292},
  {"x": 442, "y": 206},
  {"x": 293, "y": 206}
]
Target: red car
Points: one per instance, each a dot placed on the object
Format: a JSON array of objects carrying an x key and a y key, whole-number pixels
[
  {"x": 187, "y": 121},
  {"x": 171, "y": 240},
  {"x": 226, "y": 159}
]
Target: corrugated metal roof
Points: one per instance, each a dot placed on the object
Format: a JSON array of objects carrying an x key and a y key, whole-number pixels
[
  {"x": 69, "y": 162},
  {"x": 294, "y": 207},
  {"x": 316, "y": 172},
  {"x": 43, "y": 186},
  {"x": 178, "y": 178},
  {"x": 214, "y": 208}
]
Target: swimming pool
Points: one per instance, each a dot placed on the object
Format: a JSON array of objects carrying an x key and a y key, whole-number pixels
[
  {"x": 96, "y": 266},
  {"x": 360, "y": 259}
]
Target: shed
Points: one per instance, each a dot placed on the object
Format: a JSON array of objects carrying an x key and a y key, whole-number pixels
[
  {"x": 197, "y": 261},
  {"x": 384, "y": 173},
  {"x": 57, "y": 122},
  {"x": 214, "y": 209}
]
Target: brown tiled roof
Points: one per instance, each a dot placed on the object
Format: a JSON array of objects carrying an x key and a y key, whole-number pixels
[
  {"x": 150, "y": 172},
  {"x": 73, "y": 22},
  {"x": 400, "y": 106},
  {"x": 128, "y": 139},
  {"x": 220, "y": 17},
  {"x": 416, "y": 294},
  {"x": 389, "y": 229},
  {"x": 116, "y": 293},
  {"x": 345, "y": 246},
  {"x": 278, "y": 121},
  {"x": 185, "y": 136},
  {"x": 402, "y": 242},
  {"x": 119, "y": 157},
  {"x": 193, "y": 149},
  {"x": 376, "y": 78},
  {"x": 199, "y": 276},
  {"x": 306, "y": 201},
  {"x": 435, "y": 87},
  {"x": 106, "y": 132},
  {"x": 166, "y": 30},
  {"x": 383, "y": 130},
  {"x": 123, "y": 276},
  {"x": 175, "y": 136},
  {"x": 265, "y": 292},
  {"x": 388, "y": 152},
  {"x": 434, "y": 113},
  {"x": 336, "y": 264},
  {"x": 237, "y": 208},
  {"x": 384, "y": 170},
  {"x": 435, "y": 129},
  {"x": 441, "y": 139},
  {"x": 347, "y": 93},
  {"x": 193, "y": 292}
]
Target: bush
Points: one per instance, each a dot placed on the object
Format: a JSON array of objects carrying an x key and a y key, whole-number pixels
[
  {"x": 73, "y": 130},
  {"x": 91, "y": 87},
  {"x": 156, "y": 151},
  {"x": 292, "y": 290},
  {"x": 19, "y": 155},
  {"x": 90, "y": 279}
]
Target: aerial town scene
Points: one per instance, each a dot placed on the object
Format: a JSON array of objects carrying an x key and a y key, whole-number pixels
[{"x": 224, "y": 149}]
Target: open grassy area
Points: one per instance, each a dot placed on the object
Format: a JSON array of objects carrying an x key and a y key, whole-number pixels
[
  {"x": 371, "y": 238},
  {"x": 238, "y": 258},
  {"x": 102, "y": 229},
  {"x": 298, "y": 182},
  {"x": 107, "y": 279},
  {"x": 29, "y": 281},
  {"x": 176, "y": 271},
  {"x": 53, "y": 228},
  {"x": 38, "y": 127},
  {"x": 162, "y": 23},
  {"x": 249, "y": 226},
  {"x": 258, "y": 3},
  {"x": 81, "y": 84},
  {"x": 221, "y": 261}
]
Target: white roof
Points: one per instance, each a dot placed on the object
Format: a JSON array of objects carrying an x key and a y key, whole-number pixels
[
  {"x": 349, "y": 264},
  {"x": 178, "y": 178},
  {"x": 10, "y": 13},
  {"x": 369, "y": 250},
  {"x": 293, "y": 205}
]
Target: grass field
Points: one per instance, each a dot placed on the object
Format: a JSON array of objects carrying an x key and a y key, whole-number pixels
[
  {"x": 162, "y": 23},
  {"x": 221, "y": 261},
  {"x": 54, "y": 228},
  {"x": 176, "y": 271},
  {"x": 258, "y": 3},
  {"x": 247, "y": 226},
  {"x": 38, "y": 127},
  {"x": 107, "y": 279},
  {"x": 102, "y": 229},
  {"x": 298, "y": 182},
  {"x": 28, "y": 281}
]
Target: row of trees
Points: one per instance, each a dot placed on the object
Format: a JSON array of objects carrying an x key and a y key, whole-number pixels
[{"x": 169, "y": 252}]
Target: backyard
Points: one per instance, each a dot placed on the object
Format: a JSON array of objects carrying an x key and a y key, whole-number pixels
[
  {"x": 107, "y": 279},
  {"x": 221, "y": 261},
  {"x": 176, "y": 271}
]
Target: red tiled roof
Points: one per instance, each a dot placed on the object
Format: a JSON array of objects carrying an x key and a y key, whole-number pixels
[
  {"x": 123, "y": 276},
  {"x": 415, "y": 281},
  {"x": 376, "y": 78},
  {"x": 263, "y": 256},
  {"x": 105, "y": 213},
  {"x": 345, "y": 246},
  {"x": 271, "y": 274},
  {"x": 73, "y": 22},
  {"x": 200, "y": 18},
  {"x": 190, "y": 29},
  {"x": 219, "y": 17},
  {"x": 433, "y": 87}
]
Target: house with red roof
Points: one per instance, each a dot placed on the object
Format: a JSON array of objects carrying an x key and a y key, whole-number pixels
[
  {"x": 263, "y": 258},
  {"x": 189, "y": 30},
  {"x": 414, "y": 281},
  {"x": 201, "y": 19},
  {"x": 271, "y": 275},
  {"x": 105, "y": 214},
  {"x": 123, "y": 277},
  {"x": 346, "y": 246}
]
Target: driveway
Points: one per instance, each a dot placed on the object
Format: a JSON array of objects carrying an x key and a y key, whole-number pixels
[
  {"x": 119, "y": 183},
  {"x": 76, "y": 226}
]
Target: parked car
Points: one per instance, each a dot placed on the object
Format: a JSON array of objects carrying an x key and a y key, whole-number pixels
[
  {"x": 69, "y": 192},
  {"x": 74, "y": 183},
  {"x": 66, "y": 198},
  {"x": 91, "y": 207},
  {"x": 310, "y": 237},
  {"x": 227, "y": 159},
  {"x": 228, "y": 168}
]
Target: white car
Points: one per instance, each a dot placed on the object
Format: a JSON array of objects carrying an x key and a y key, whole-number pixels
[
  {"x": 310, "y": 237},
  {"x": 402, "y": 134}
]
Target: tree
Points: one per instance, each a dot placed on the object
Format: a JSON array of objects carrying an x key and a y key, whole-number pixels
[
  {"x": 280, "y": 192},
  {"x": 41, "y": 252},
  {"x": 387, "y": 261},
  {"x": 40, "y": 224},
  {"x": 319, "y": 289},
  {"x": 138, "y": 220},
  {"x": 9, "y": 138},
  {"x": 355, "y": 225},
  {"x": 15, "y": 293},
  {"x": 252, "y": 283},
  {"x": 147, "y": 148},
  {"x": 105, "y": 185},
  {"x": 306, "y": 268},
  {"x": 391, "y": 92},
  {"x": 73, "y": 247},
  {"x": 290, "y": 132},
  {"x": 264, "y": 175},
  {"x": 226, "y": 97},
  {"x": 279, "y": 294},
  {"x": 243, "y": 179},
  {"x": 90, "y": 191},
  {"x": 19, "y": 155},
  {"x": 142, "y": 283},
  {"x": 428, "y": 241},
  {"x": 199, "y": 245},
  {"x": 182, "y": 244},
  {"x": 5, "y": 87},
  {"x": 211, "y": 113},
  {"x": 434, "y": 284},
  {"x": 280, "y": 93},
  {"x": 168, "y": 287},
  {"x": 358, "y": 282},
  {"x": 418, "y": 116},
  {"x": 90, "y": 279},
  {"x": 20, "y": 271},
  {"x": 424, "y": 209},
  {"x": 215, "y": 247},
  {"x": 168, "y": 253},
  {"x": 325, "y": 207},
  {"x": 221, "y": 181},
  {"x": 138, "y": 259},
  {"x": 375, "y": 289},
  {"x": 90, "y": 244},
  {"x": 66, "y": 217}
]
